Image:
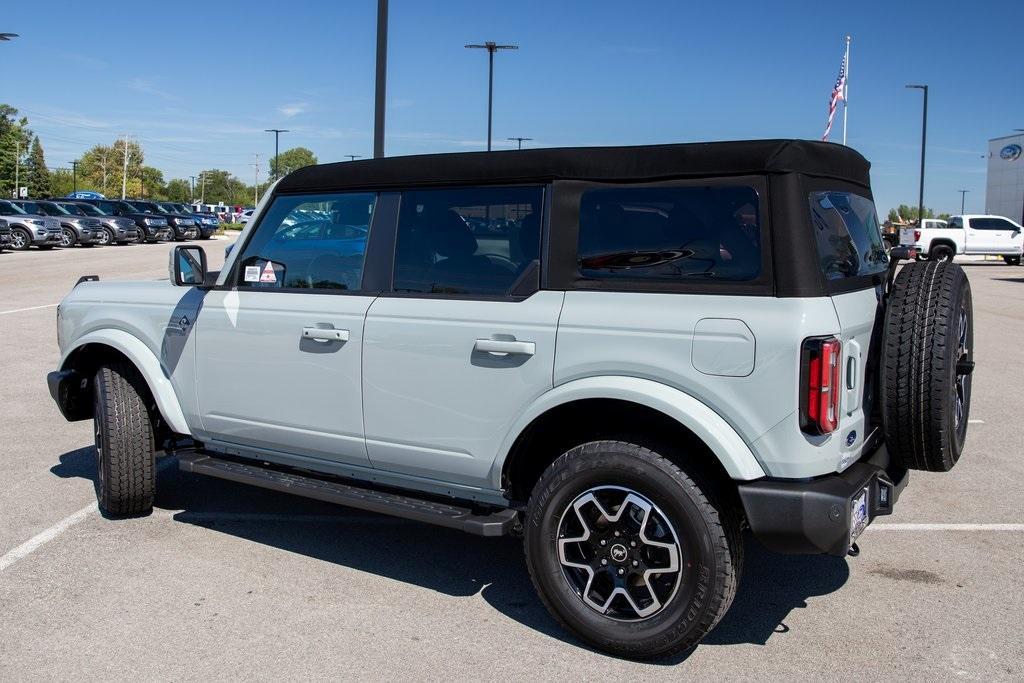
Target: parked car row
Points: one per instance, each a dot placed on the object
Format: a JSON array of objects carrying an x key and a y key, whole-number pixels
[{"x": 60, "y": 222}]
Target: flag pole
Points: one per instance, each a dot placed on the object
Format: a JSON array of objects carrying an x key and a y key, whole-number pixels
[{"x": 846, "y": 87}]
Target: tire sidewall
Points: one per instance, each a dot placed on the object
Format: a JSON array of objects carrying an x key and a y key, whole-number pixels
[
  {"x": 958, "y": 436},
  {"x": 613, "y": 466},
  {"x": 26, "y": 239}
]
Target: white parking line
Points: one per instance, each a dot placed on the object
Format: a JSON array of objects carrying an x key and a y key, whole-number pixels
[
  {"x": 30, "y": 308},
  {"x": 947, "y": 527},
  {"x": 41, "y": 539}
]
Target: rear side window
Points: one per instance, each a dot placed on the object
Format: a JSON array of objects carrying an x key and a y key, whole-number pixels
[
  {"x": 991, "y": 224},
  {"x": 847, "y": 234},
  {"x": 309, "y": 242},
  {"x": 468, "y": 241},
  {"x": 670, "y": 233}
]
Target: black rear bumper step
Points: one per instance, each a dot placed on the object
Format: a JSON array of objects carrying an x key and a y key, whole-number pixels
[{"x": 497, "y": 523}]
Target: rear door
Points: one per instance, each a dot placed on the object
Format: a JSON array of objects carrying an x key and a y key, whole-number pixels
[
  {"x": 279, "y": 354},
  {"x": 852, "y": 256},
  {"x": 987, "y": 235},
  {"x": 465, "y": 342}
]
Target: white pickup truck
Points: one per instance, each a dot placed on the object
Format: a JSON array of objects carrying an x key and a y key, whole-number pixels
[{"x": 966, "y": 235}]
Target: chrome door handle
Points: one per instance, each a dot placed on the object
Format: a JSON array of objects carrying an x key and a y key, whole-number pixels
[
  {"x": 521, "y": 348},
  {"x": 322, "y": 334}
]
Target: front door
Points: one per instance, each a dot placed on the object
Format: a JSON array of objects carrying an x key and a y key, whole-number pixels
[
  {"x": 465, "y": 342},
  {"x": 279, "y": 354}
]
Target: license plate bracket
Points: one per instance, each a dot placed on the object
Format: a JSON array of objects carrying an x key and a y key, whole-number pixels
[{"x": 859, "y": 514}]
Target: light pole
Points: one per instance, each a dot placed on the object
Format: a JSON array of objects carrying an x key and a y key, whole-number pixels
[
  {"x": 352, "y": 157},
  {"x": 963, "y": 196},
  {"x": 520, "y": 141},
  {"x": 277, "y": 134},
  {"x": 491, "y": 48},
  {"x": 192, "y": 190},
  {"x": 924, "y": 139},
  {"x": 74, "y": 176},
  {"x": 380, "y": 87}
]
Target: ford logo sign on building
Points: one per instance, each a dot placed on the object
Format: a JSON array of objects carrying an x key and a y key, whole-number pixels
[{"x": 1010, "y": 152}]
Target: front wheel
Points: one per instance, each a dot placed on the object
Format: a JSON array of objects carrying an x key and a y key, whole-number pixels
[
  {"x": 1012, "y": 260},
  {"x": 67, "y": 237},
  {"x": 20, "y": 239},
  {"x": 106, "y": 237},
  {"x": 629, "y": 552},
  {"x": 125, "y": 453}
]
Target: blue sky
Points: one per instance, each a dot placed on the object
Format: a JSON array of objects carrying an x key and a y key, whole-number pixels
[{"x": 197, "y": 85}]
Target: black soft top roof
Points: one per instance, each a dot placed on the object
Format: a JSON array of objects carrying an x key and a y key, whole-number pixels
[{"x": 638, "y": 163}]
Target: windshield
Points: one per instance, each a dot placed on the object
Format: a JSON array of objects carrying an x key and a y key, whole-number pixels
[
  {"x": 146, "y": 207},
  {"x": 90, "y": 210},
  {"x": 72, "y": 208},
  {"x": 57, "y": 208},
  {"x": 10, "y": 209},
  {"x": 171, "y": 208}
]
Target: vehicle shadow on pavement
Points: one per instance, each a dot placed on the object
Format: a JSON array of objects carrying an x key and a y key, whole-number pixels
[{"x": 451, "y": 562}]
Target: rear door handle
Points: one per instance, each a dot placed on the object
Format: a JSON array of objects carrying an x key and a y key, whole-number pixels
[
  {"x": 326, "y": 335},
  {"x": 521, "y": 348}
]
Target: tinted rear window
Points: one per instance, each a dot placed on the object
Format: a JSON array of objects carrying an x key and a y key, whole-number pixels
[
  {"x": 847, "y": 233},
  {"x": 670, "y": 233}
]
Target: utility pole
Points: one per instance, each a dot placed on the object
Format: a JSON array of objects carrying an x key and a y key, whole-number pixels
[
  {"x": 74, "y": 176},
  {"x": 491, "y": 48},
  {"x": 103, "y": 166},
  {"x": 124, "y": 170},
  {"x": 352, "y": 157},
  {"x": 256, "y": 182},
  {"x": 380, "y": 86},
  {"x": 277, "y": 134},
  {"x": 963, "y": 197},
  {"x": 192, "y": 191},
  {"x": 17, "y": 169},
  {"x": 520, "y": 141},
  {"x": 924, "y": 139},
  {"x": 202, "y": 177}
]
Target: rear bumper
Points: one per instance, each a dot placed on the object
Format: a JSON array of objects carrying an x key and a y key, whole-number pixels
[{"x": 813, "y": 516}]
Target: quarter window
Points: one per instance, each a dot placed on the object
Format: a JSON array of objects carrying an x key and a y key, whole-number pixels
[
  {"x": 846, "y": 230},
  {"x": 670, "y": 233},
  {"x": 473, "y": 241},
  {"x": 309, "y": 242}
]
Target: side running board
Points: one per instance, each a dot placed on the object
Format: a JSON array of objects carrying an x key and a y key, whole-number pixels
[{"x": 498, "y": 523}]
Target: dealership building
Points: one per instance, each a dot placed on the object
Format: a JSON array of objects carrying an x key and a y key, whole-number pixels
[{"x": 1004, "y": 189}]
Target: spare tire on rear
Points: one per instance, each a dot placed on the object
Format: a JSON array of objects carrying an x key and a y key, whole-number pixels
[{"x": 928, "y": 352}]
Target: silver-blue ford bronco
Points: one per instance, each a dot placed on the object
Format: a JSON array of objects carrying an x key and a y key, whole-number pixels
[{"x": 629, "y": 356}]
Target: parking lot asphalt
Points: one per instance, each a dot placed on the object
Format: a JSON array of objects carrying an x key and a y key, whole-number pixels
[{"x": 226, "y": 581}]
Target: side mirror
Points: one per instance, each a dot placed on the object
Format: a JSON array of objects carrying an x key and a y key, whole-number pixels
[{"x": 188, "y": 266}]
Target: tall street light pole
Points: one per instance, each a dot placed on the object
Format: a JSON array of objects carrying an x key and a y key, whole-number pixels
[
  {"x": 277, "y": 134},
  {"x": 963, "y": 196},
  {"x": 491, "y": 48},
  {"x": 924, "y": 139},
  {"x": 380, "y": 88},
  {"x": 520, "y": 141},
  {"x": 74, "y": 176}
]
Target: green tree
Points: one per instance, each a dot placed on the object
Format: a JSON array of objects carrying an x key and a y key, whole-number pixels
[
  {"x": 61, "y": 182},
  {"x": 291, "y": 160},
  {"x": 96, "y": 171},
  {"x": 37, "y": 176},
  {"x": 15, "y": 138},
  {"x": 153, "y": 186},
  {"x": 893, "y": 216},
  {"x": 179, "y": 190},
  {"x": 909, "y": 213}
]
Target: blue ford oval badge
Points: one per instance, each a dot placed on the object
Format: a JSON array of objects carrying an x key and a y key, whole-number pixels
[
  {"x": 851, "y": 438},
  {"x": 1010, "y": 152}
]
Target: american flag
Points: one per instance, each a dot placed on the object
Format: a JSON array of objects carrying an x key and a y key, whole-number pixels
[{"x": 838, "y": 93}]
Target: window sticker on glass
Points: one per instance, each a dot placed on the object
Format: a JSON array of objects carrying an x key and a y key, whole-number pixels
[{"x": 252, "y": 274}]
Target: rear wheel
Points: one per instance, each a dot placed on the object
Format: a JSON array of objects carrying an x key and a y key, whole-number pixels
[
  {"x": 1012, "y": 260},
  {"x": 941, "y": 252},
  {"x": 629, "y": 552},
  {"x": 928, "y": 358},
  {"x": 125, "y": 453}
]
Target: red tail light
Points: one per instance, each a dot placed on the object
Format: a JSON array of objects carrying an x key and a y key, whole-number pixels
[
  {"x": 819, "y": 381},
  {"x": 917, "y": 235}
]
